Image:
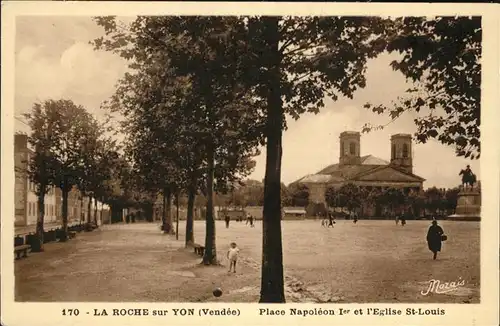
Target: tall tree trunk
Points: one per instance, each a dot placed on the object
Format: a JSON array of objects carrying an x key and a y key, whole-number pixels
[
  {"x": 177, "y": 217},
  {"x": 167, "y": 214},
  {"x": 210, "y": 256},
  {"x": 65, "y": 192},
  {"x": 102, "y": 208},
  {"x": 95, "y": 210},
  {"x": 89, "y": 210},
  {"x": 272, "y": 283},
  {"x": 40, "y": 219},
  {"x": 82, "y": 214},
  {"x": 190, "y": 215}
]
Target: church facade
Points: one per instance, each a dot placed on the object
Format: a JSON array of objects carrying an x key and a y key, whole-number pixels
[{"x": 365, "y": 171}]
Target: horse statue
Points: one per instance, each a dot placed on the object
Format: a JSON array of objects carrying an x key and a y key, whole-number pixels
[{"x": 468, "y": 178}]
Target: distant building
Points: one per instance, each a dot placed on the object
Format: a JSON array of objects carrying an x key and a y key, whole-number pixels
[
  {"x": 365, "y": 171},
  {"x": 289, "y": 213},
  {"x": 26, "y": 200}
]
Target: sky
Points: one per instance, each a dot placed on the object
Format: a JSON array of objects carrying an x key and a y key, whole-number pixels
[{"x": 54, "y": 60}]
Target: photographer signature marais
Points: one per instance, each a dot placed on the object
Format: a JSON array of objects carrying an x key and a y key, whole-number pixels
[{"x": 435, "y": 286}]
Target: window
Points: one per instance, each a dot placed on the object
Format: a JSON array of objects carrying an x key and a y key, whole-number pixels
[
  {"x": 352, "y": 148},
  {"x": 405, "y": 150},
  {"x": 342, "y": 153},
  {"x": 393, "y": 151},
  {"x": 29, "y": 209}
]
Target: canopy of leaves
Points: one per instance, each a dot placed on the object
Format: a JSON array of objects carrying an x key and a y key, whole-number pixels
[
  {"x": 299, "y": 195},
  {"x": 182, "y": 99},
  {"x": 441, "y": 56},
  {"x": 64, "y": 138}
]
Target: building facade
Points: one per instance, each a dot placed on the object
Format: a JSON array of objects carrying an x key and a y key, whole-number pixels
[
  {"x": 26, "y": 200},
  {"x": 365, "y": 171}
]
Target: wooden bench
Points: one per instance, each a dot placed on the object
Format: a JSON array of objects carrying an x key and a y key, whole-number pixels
[
  {"x": 199, "y": 249},
  {"x": 22, "y": 249}
]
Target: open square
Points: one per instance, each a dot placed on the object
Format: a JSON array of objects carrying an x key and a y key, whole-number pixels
[{"x": 367, "y": 262}]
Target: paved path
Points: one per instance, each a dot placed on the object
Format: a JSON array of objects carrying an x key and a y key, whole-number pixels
[{"x": 373, "y": 261}]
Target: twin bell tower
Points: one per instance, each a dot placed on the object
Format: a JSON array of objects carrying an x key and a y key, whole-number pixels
[{"x": 401, "y": 150}]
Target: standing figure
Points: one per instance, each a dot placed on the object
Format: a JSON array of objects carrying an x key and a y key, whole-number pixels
[
  {"x": 355, "y": 217},
  {"x": 227, "y": 219},
  {"x": 232, "y": 255},
  {"x": 397, "y": 220},
  {"x": 403, "y": 219},
  {"x": 434, "y": 238},
  {"x": 251, "y": 221},
  {"x": 331, "y": 222}
]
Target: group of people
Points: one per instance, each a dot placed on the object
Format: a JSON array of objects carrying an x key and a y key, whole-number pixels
[
  {"x": 330, "y": 219},
  {"x": 435, "y": 237},
  {"x": 249, "y": 220}
]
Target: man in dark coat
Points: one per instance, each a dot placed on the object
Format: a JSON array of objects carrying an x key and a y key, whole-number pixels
[{"x": 434, "y": 238}]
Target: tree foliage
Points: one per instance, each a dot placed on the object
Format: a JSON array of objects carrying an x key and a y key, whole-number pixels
[
  {"x": 442, "y": 58},
  {"x": 299, "y": 195},
  {"x": 235, "y": 79}
]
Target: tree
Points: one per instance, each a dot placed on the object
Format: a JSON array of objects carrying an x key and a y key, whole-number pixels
[
  {"x": 416, "y": 200},
  {"x": 290, "y": 64},
  {"x": 254, "y": 192},
  {"x": 331, "y": 197},
  {"x": 433, "y": 199},
  {"x": 442, "y": 57},
  {"x": 285, "y": 195},
  {"x": 393, "y": 199},
  {"x": 300, "y": 195},
  {"x": 193, "y": 71},
  {"x": 451, "y": 196},
  {"x": 76, "y": 127},
  {"x": 295, "y": 62},
  {"x": 61, "y": 131},
  {"x": 349, "y": 196},
  {"x": 42, "y": 121}
]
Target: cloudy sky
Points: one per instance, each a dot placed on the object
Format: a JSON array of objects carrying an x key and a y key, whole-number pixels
[{"x": 54, "y": 60}]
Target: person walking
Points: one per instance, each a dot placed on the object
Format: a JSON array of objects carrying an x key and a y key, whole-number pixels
[
  {"x": 331, "y": 222},
  {"x": 227, "y": 219},
  {"x": 435, "y": 236}
]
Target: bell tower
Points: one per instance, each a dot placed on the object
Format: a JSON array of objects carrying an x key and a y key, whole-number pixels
[
  {"x": 350, "y": 144},
  {"x": 401, "y": 152}
]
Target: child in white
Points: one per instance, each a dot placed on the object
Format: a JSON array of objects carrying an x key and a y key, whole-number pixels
[{"x": 232, "y": 255}]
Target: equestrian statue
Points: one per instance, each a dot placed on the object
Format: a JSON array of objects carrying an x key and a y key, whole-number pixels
[{"x": 468, "y": 177}]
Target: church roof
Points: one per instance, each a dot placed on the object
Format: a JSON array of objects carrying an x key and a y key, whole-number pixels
[{"x": 371, "y": 168}]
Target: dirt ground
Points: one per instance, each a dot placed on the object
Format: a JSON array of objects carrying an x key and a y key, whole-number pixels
[{"x": 372, "y": 261}]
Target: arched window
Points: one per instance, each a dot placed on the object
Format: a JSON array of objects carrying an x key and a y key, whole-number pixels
[
  {"x": 342, "y": 153},
  {"x": 393, "y": 153},
  {"x": 352, "y": 148},
  {"x": 405, "y": 150}
]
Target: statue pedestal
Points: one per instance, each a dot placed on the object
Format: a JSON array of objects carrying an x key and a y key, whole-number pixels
[{"x": 468, "y": 206}]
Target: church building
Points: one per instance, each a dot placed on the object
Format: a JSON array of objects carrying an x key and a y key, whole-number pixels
[{"x": 365, "y": 171}]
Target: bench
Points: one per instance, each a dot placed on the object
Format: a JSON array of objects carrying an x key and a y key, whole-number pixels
[
  {"x": 22, "y": 249},
  {"x": 199, "y": 249},
  {"x": 91, "y": 226}
]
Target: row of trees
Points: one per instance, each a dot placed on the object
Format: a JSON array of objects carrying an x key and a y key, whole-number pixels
[
  {"x": 70, "y": 150},
  {"x": 392, "y": 200},
  {"x": 203, "y": 92},
  {"x": 436, "y": 201},
  {"x": 251, "y": 193}
]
